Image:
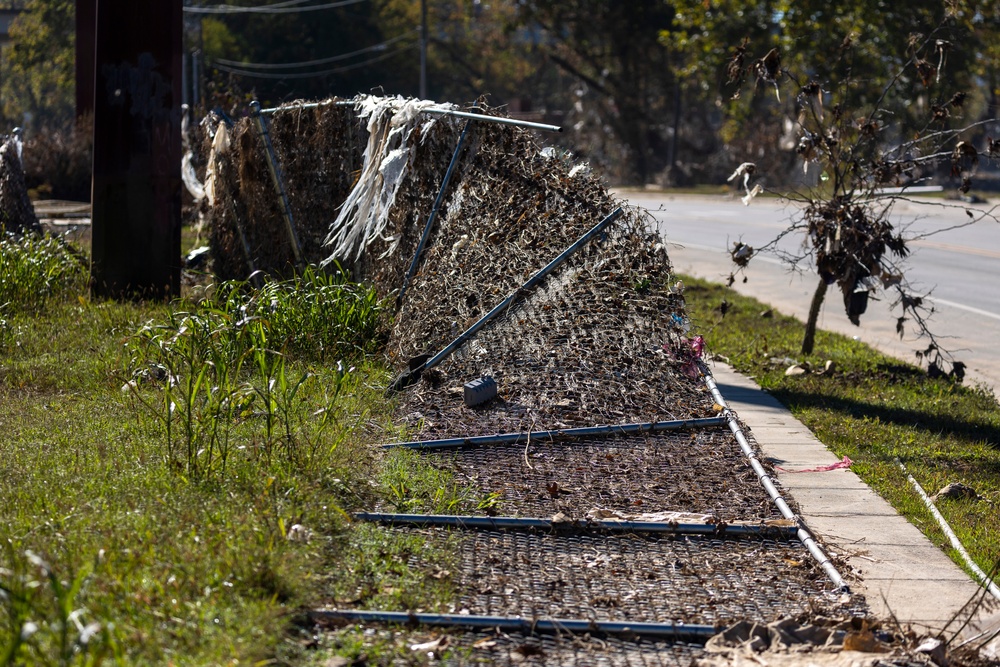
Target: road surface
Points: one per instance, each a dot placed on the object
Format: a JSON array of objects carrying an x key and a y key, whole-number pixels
[{"x": 959, "y": 268}]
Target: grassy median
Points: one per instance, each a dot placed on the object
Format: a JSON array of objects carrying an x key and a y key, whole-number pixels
[
  {"x": 175, "y": 480},
  {"x": 873, "y": 409}
]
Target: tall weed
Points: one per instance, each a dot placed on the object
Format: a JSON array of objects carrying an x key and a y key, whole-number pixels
[
  {"x": 35, "y": 270},
  {"x": 227, "y": 366}
]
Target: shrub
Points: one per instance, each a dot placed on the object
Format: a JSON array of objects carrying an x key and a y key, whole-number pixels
[{"x": 58, "y": 163}]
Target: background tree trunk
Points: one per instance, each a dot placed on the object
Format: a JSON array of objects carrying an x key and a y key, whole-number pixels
[{"x": 809, "y": 339}]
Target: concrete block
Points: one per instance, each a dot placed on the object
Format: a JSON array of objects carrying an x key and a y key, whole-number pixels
[{"x": 479, "y": 391}]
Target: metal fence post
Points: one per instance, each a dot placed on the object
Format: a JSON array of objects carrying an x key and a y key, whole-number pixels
[
  {"x": 276, "y": 177},
  {"x": 434, "y": 211}
]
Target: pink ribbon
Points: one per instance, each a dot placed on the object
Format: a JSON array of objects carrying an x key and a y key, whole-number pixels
[{"x": 842, "y": 463}]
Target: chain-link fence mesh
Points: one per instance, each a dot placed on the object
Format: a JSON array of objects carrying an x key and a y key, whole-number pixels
[
  {"x": 640, "y": 578},
  {"x": 454, "y": 647},
  {"x": 700, "y": 472},
  {"x": 319, "y": 150},
  {"x": 600, "y": 343}
]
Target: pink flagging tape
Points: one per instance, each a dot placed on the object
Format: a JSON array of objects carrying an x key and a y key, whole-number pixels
[{"x": 842, "y": 463}]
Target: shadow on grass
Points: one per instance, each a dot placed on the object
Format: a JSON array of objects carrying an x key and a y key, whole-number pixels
[{"x": 966, "y": 429}]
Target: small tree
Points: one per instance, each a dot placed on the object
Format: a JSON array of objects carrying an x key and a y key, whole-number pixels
[{"x": 861, "y": 149}]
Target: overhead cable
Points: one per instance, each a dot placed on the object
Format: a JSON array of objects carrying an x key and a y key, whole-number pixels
[
  {"x": 276, "y": 8},
  {"x": 310, "y": 63},
  {"x": 307, "y": 75}
]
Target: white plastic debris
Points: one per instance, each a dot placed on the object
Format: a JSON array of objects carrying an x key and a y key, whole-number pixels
[
  {"x": 364, "y": 215},
  {"x": 190, "y": 178},
  {"x": 220, "y": 146},
  {"x": 746, "y": 170}
]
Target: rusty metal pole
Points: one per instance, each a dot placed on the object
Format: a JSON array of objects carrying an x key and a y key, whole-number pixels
[{"x": 137, "y": 150}]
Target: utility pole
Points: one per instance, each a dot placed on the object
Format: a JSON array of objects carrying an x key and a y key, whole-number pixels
[
  {"x": 423, "y": 49},
  {"x": 86, "y": 43},
  {"x": 137, "y": 150}
]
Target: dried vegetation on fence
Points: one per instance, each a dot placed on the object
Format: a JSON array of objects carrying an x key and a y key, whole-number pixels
[{"x": 602, "y": 341}]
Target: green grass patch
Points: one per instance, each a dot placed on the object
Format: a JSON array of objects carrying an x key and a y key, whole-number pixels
[
  {"x": 410, "y": 485},
  {"x": 873, "y": 409},
  {"x": 177, "y": 479}
]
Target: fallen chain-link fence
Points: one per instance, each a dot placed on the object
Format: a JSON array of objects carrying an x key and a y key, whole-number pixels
[{"x": 601, "y": 340}]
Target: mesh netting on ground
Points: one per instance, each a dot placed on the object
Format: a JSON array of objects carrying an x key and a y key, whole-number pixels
[
  {"x": 699, "y": 472},
  {"x": 456, "y": 647},
  {"x": 640, "y": 578}
]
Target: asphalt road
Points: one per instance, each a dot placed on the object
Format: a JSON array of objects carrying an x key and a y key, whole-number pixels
[{"x": 958, "y": 268}]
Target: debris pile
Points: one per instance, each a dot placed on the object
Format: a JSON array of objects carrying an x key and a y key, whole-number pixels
[
  {"x": 320, "y": 150},
  {"x": 537, "y": 306},
  {"x": 601, "y": 341},
  {"x": 17, "y": 215}
]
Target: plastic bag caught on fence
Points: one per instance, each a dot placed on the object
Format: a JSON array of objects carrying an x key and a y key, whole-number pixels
[{"x": 364, "y": 215}]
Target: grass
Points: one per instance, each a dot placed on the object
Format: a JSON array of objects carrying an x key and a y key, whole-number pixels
[
  {"x": 175, "y": 480},
  {"x": 873, "y": 409}
]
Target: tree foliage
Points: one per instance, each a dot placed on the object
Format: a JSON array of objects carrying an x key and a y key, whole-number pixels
[
  {"x": 642, "y": 85},
  {"x": 614, "y": 52},
  {"x": 38, "y": 67},
  {"x": 278, "y": 57}
]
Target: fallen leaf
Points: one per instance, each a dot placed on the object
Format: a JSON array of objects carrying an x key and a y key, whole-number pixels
[{"x": 863, "y": 641}]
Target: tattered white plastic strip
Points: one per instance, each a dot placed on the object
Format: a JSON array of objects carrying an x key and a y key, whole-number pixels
[{"x": 364, "y": 215}]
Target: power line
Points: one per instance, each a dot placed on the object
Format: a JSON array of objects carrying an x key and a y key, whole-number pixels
[
  {"x": 310, "y": 63},
  {"x": 276, "y": 8},
  {"x": 307, "y": 75}
]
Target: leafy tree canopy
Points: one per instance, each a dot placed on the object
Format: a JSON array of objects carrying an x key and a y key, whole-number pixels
[{"x": 38, "y": 66}]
